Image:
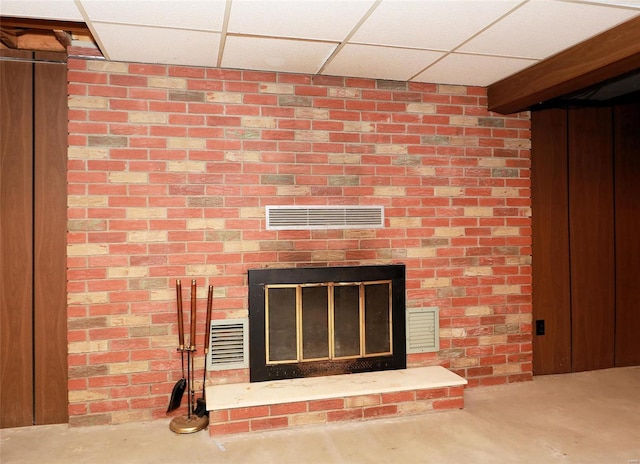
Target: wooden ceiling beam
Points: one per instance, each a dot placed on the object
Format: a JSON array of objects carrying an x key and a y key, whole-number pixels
[
  {"x": 608, "y": 55},
  {"x": 25, "y": 23}
]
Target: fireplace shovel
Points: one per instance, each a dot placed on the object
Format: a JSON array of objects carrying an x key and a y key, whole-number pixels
[
  {"x": 201, "y": 403},
  {"x": 181, "y": 385}
]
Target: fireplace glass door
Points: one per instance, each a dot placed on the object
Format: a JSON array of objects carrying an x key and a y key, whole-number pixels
[{"x": 327, "y": 321}]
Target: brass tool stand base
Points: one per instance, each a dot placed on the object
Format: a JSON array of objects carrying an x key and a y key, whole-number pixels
[{"x": 184, "y": 424}]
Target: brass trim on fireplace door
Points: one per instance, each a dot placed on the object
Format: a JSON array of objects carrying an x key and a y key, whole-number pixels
[{"x": 330, "y": 286}]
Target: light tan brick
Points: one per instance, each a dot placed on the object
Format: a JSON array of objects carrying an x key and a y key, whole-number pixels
[
  {"x": 128, "y": 177},
  {"x": 282, "y": 89},
  {"x": 425, "y": 108},
  {"x": 478, "y": 271},
  {"x": 421, "y": 252},
  {"x": 242, "y": 156},
  {"x": 76, "y": 101},
  {"x": 507, "y": 369},
  {"x": 343, "y": 158},
  {"x": 87, "y": 201},
  {"x": 359, "y": 126},
  {"x": 506, "y": 289},
  {"x": 415, "y": 407},
  {"x": 517, "y": 143},
  {"x": 129, "y": 271},
  {"x": 328, "y": 255},
  {"x": 82, "y": 396},
  {"x": 311, "y": 113},
  {"x": 184, "y": 142},
  {"x": 361, "y": 401},
  {"x": 478, "y": 311},
  {"x": 492, "y": 162},
  {"x": 389, "y": 192},
  {"x": 167, "y": 82},
  {"x": 86, "y": 249},
  {"x": 448, "y": 232},
  {"x": 452, "y": 89},
  {"x": 345, "y": 92},
  {"x": 478, "y": 211},
  {"x": 129, "y": 320},
  {"x": 436, "y": 282},
  {"x": 292, "y": 190},
  {"x": 453, "y": 332},
  {"x": 405, "y": 222},
  {"x": 259, "y": 122},
  {"x": 492, "y": 340},
  {"x": 88, "y": 153},
  {"x": 392, "y": 149},
  {"x": 147, "y": 118},
  {"x": 307, "y": 419},
  {"x": 448, "y": 191},
  {"x": 224, "y": 97},
  {"x": 463, "y": 121},
  {"x": 128, "y": 367},
  {"x": 88, "y": 347},
  {"x": 136, "y": 415},
  {"x": 252, "y": 212},
  {"x": 186, "y": 166},
  {"x": 146, "y": 213},
  {"x": 505, "y": 192},
  {"x": 458, "y": 363},
  {"x": 234, "y": 247},
  {"x": 312, "y": 136},
  {"x": 203, "y": 269},
  {"x": 506, "y": 231},
  {"x": 107, "y": 66},
  {"x": 205, "y": 223},
  {"x": 146, "y": 236}
]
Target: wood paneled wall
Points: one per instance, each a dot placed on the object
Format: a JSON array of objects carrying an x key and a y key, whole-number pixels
[
  {"x": 585, "y": 192},
  {"x": 33, "y": 346}
]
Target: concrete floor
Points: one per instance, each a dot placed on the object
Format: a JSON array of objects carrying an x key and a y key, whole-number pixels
[{"x": 589, "y": 417}]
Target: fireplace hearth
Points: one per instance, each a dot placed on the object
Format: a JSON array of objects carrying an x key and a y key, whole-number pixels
[{"x": 306, "y": 322}]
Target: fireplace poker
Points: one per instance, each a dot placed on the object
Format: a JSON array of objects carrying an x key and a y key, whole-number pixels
[
  {"x": 179, "y": 387},
  {"x": 201, "y": 404}
]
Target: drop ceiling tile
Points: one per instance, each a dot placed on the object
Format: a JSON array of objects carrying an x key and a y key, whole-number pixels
[
  {"x": 289, "y": 55},
  {"x": 477, "y": 70},
  {"x": 626, "y": 4},
  {"x": 434, "y": 24},
  {"x": 309, "y": 19},
  {"x": 380, "y": 62},
  {"x": 61, "y": 10},
  {"x": 544, "y": 27},
  {"x": 186, "y": 14},
  {"x": 158, "y": 45}
]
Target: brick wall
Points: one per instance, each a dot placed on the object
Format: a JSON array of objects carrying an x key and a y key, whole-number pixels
[{"x": 169, "y": 172}]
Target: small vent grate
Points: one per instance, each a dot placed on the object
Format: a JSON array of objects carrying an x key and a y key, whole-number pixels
[
  {"x": 324, "y": 217},
  {"x": 422, "y": 330},
  {"x": 228, "y": 347}
]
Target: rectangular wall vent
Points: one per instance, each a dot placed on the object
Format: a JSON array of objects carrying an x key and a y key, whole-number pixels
[
  {"x": 423, "y": 330},
  {"x": 324, "y": 217},
  {"x": 229, "y": 345}
]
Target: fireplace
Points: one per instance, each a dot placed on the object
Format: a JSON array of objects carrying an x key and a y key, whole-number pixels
[{"x": 306, "y": 322}]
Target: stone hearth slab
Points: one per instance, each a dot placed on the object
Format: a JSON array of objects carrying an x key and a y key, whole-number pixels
[{"x": 242, "y": 395}]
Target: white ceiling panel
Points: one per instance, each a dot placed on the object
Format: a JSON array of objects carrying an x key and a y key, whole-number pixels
[
  {"x": 380, "y": 62},
  {"x": 275, "y": 54},
  {"x": 185, "y": 14},
  {"x": 474, "y": 42},
  {"x": 434, "y": 24},
  {"x": 540, "y": 28},
  {"x": 316, "y": 19},
  {"x": 472, "y": 69},
  {"x": 158, "y": 45},
  {"x": 63, "y": 10}
]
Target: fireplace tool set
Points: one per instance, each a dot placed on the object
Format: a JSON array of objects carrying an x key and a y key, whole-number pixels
[{"x": 197, "y": 417}]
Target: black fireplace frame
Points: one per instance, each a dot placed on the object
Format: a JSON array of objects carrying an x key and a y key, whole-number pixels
[{"x": 258, "y": 369}]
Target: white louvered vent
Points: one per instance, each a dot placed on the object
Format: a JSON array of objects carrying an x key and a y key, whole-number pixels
[
  {"x": 422, "y": 330},
  {"x": 229, "y": 345},
  {"x": 324, "y": 217}
]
